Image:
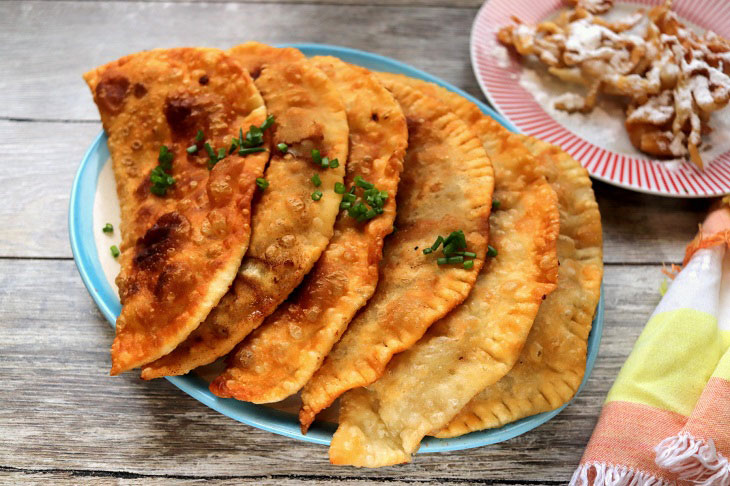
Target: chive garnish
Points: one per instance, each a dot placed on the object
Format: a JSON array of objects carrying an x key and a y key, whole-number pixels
[
  {"x": 209, "y": 149},
  {"x": 495, "y": 204},
  {"x": 339, "y": 188},
  {"x": 491, "y": 251},
  {"x": 317, "y": 195},
  {"x": 267, "y": 123},
  {"x": 114, "y": 250},
  {"x": 199, "y": 136},
  {"x": 165, "y": 158},
  {"x": 334, "y": 163},
  {"x": 192, "y": 149},
  {"x": 160, "y": 177},
  {"x": 437, "y": 243},
  {"x": 251, "y": 150},
  {"x": 454, "y": 247},
  {"x": 316, "y": 157},
  {"x": 360, "y": 182},
  {"x": 316, "y": 180},
  {"x": 108, "y": 228},
  {"x": 262, "y": 183},
  {"x": 282, "y": 147}
]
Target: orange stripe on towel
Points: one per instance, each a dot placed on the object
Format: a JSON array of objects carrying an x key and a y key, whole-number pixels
[
  {"x": 710, "y": 416},
  {"x": 626, "y": 434}
]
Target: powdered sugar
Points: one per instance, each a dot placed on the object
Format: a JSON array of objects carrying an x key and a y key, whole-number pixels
[
  {"x": 666, "y": 90},
  {"x": 604, "y": 126}
]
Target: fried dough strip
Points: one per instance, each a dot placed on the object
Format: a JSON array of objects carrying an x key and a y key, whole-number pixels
[
  {"x": 180, "y": 250},
  {"x": 280, "y": 356},
  {"x": 552, "y": 363},
  {"x": 290, "y": 229},
  {"x": 446, "y": 185},
  {"x": 480, "y": 340}
]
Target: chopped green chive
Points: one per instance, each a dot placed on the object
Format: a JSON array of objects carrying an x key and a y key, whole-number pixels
[
  {"x": 334, "y": 163},
  {"x": 209, "y": 149},
  {"x": 282, "y": 147},
  {"x": 325, "y": 162},
  {"x": 495, "y": 204},
  {"x": 159, "y": 176},
  {"x": 268, "y": 122},
  {"x": 199, "y": 136},
  {"x": 108, "y": 228},
  {"x": 316, "y": 180},
  {"x": 114, "y": 250},
  {"x": 192, "y": 149},
  {"x": 316, "y": 157},
  {"x": 251, "y": 150},
  {"x": 360, "y": 182},
  {"x": 221, "y": 153},
  {"x": 369, "y": 206},
  {"x": 454, "y": 247},
  {"x": 165, "y": 158},
  {"x": 262, "y": 183},
  {"x": 317, "y": 195},
  {"x": 491, "y": 251}
]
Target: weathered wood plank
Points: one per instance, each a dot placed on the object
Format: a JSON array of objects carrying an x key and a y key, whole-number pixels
[
  {"x": 40, "y": 162},
  {"x": 62, "y": 411},
  {"x": 70, "y": 478},
  {"x": 36, "y": 184},
  {"x": 42, "y": 82},
  {"x": 384, "y": 3}
]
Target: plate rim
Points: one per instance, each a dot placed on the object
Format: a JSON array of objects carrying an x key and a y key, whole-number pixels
[
  {"x": 84, "y": 250},
  {"x": 496, "y": 107}
]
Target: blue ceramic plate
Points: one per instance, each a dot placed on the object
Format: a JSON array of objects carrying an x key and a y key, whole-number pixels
[{"x": 81, "y": 229}]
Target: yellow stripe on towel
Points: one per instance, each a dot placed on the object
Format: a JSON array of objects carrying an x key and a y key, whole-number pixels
[{"x": 671, "y": 361}]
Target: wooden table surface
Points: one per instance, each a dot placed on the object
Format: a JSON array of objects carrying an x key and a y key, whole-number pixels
[{"x": 63, "y": 420}]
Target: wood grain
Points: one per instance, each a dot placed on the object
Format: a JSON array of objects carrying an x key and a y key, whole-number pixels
[
  {"x": 43, "y": 83},
  {"x": 83, "y": 479},
  {"x": 61, "y": 410}
]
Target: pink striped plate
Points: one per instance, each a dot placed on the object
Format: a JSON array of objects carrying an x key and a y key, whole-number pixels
[{"x": 523, "y": 92}]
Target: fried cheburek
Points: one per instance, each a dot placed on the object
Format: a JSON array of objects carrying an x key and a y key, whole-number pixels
[
  {"x": 183, "y": 236},
  {"x": 253, "y": 56},
  {"x": 551, "y": 365},
  {"x": 672, "y": 77},
  {"x": 291, "y": 225},
  {"x": 281, "y": 355},
  {"x": 446, "y": 186},
  {"x": 479, "y": 341}
]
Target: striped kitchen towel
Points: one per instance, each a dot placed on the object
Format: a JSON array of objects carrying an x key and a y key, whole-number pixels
[{"x": 665, "y": 420}]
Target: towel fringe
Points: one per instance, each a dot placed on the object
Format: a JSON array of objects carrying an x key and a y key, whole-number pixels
[
  {"x": 613, "y": 475},
  {"x": 693, "y": 459}
]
